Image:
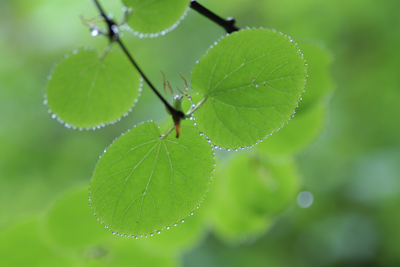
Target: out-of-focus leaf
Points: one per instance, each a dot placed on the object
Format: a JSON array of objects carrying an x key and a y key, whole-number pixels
[{"x": 70, "y": 222}]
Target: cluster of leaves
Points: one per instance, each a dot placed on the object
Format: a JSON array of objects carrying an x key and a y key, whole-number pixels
[{"x": 148, "y": 180}]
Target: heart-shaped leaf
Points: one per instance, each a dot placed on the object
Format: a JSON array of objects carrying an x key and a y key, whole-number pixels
[
  {"x": 85, "y": 91},
  {"x": 144, "y": 183},
  {"x": 153, "y": 16},
  {"x": 253, "y": 80}
]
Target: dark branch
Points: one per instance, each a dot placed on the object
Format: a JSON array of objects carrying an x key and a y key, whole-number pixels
[
  {"x": 228, "y": 25},
  {"x": 114, "y": 37}
]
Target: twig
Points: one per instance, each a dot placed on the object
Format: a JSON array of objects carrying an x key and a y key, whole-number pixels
[
  {"x": 228, "y": 25},
  {"x": 114, "y": 37}
]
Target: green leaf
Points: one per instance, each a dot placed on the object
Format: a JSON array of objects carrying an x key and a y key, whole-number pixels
[
  {"x": 304, "y": 128},
  {"x": 237, "y": 225},
  {"x": 319, "y": 82},
  {"x": 128, "y": 252},
  {"x": 268, "y": 188},
  {"x": 144, "y": 183},
  {"x": 177, "y": 239},
  {"x": 122, "y": 251},
  {"x": 22, "y": 245},
  {"x": 310, "y": 119},
  {"x": 153, "y": 16},
  {"x": 85, "y": 91},
  {"x": 249, "y": 193},
  {"x": 253, "y": 80},
  {"x": 70, "y": 222}
]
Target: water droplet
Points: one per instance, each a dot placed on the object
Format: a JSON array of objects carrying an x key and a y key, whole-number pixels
[
  {"x": 95, "y": 32},
  {"x": 175, "y": 224},
  {"x": 158, "y": 232},
  {"x": 90, "y": 200},
  {"x": 191, "y": 213},
  {"x": 45, "y": 102},
  {"x": 256, "y": 85},
  {"x": 183, "y": 221},
  {"x": 252, "y": 80},
  {"x": 168, "y": 227},
  {"x": 151, "y": 234},
  {"x": 75, "y": 51},
  {"x": 305, "y": 199},
  {"x": 110, "y": 16}
]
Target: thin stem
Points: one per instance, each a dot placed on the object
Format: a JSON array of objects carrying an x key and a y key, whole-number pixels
[
  {"x": 167, "y": 133},
  {"x": 193, "y": 110},
  {"x": 114, "y": 37},
  {"x": 228, "y": 25},
  {"x": 144, "y": 76}
]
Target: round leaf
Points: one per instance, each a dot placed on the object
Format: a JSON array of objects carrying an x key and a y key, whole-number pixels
[
  {"x": 177, "y": 239},
  {"x": 253, "y": 80},
  {"x": 304, "y": 128},
  {"x": 319, "y": 83},
  {"x": 70, "y": 222},
  {"x": 126, "y": 252},
  {"x": 153, "y": 16},
  {"x": 144, "y": 183},
  {"x": 245, "y": 208},
  {"x": 22, "y": 245},
  {"x": 85, "y": 91}
]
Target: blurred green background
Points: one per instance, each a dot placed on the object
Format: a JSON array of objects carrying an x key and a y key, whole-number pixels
[{"x": 352, "y": 169}]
